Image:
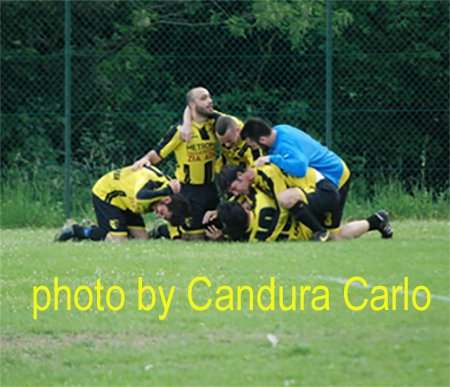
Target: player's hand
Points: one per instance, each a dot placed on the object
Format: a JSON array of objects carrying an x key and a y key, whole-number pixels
[
  {"x": 260, "y": 161},
  {"x": 141, "y": 163},
  {"x": 186, "y": 129},
  {"x": 185, "y": 133},
  {"x": 209, "y": 216},
  {"x": 213, "y": 233},
  {"x": 175, "y": 185}
]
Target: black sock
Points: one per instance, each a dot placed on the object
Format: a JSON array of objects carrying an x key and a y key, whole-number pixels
[
  {"x": 374, "y": 222},
  {"x": 301, "y": 213}
]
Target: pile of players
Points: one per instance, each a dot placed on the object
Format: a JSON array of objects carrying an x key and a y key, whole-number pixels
[{"x": 296, "y": 191}]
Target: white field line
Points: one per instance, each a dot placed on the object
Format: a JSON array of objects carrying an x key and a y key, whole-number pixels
[{"x": 343, "y": 281}]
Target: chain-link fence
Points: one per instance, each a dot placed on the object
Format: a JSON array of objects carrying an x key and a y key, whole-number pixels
[{"x": 132, "y": 62}]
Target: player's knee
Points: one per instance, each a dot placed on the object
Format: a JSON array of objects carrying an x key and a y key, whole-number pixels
[{"x": 288, "y": 198}]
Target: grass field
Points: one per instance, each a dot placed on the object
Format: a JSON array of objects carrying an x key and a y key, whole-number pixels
[{"x": 130, "y": 347}]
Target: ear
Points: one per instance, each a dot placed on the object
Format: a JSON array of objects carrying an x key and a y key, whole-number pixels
[
  {"x": 191, "y": 105},
  {"x": 166, "y": 200},
  {"x": 239, "y": 175},
  {"x": 264, "y": 140}
]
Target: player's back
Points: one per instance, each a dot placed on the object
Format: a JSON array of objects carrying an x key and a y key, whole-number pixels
[
  {"x": 318, "y": 156},
  {"x": 121, "y": 186},
  {"x": 272, "y": 180}
]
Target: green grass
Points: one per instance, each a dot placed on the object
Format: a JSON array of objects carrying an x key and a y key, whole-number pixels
[
  {"x": 130, "y": 347},
  {"x": 28, "y": 193}
]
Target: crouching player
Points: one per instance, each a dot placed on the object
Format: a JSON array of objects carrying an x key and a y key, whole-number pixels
[{"x": 122, "y": 196}]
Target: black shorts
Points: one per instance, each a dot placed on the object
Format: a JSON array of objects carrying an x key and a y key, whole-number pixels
[
  {"x": 115, "y": 220},
  {"x": 201, "y": 198},
  {"x": 324, "y": 203},
  {"x": 343, "y": 192}
]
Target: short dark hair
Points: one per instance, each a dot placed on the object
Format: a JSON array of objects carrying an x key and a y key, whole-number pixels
[
  {"x": 224, "y": 123},
  {"x": 254, "y": 128},
  {"x": 228, "y": 174},
  {"x": 180, "y": 209},
  {"x": 234, "y": 220}
]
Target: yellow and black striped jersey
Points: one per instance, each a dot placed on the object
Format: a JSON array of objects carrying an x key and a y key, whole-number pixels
[
  {"x": 266, "y": 224},
  {"x": 196, "y": 159},
  {"x": 241, "y": 154},
  {"x": 272, "y": 180},
  {"x": 131, "y": 190}
]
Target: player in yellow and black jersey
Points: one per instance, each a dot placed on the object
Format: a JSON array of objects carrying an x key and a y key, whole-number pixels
[
  {"x": 253, "y": 217},
  {"x": 264, "y": 220},
  {"x": 195, "y": 159},
  {"x": 122, "y": 196},
  {"x": 233, "y": 149},
  {"x": 311, "y": 199}
]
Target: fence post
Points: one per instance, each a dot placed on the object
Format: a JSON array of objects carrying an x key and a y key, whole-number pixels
[
  {"x": 329, "y": 77},
  {"x": 67, "y": 110}
]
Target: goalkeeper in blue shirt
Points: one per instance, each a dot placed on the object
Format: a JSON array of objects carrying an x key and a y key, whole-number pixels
[{"x": 293, "y": 151}]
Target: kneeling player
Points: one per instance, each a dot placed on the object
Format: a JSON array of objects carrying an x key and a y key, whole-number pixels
[{"x": 122, "y": 196}]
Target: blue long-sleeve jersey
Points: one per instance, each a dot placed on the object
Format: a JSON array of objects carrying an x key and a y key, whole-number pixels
[{"x": 294, "y": 150}]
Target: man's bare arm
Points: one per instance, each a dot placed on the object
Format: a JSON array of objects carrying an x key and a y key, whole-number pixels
[
  {"x": 150, "y": 158},
  {"x": 186, "y": 130}
]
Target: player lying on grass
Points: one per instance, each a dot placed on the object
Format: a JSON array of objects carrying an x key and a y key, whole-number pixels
[
  {"x": 254, "y": 217},
  {"x": 312, "y": 198},
  {"x": 122, "y": 196}
]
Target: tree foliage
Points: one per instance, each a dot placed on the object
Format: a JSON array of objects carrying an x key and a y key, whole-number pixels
[{"x": 133, "y": 61}]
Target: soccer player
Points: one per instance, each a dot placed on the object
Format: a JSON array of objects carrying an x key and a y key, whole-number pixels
[
  {"x": 252, "y": 224},
  {"x": 256, "y": 217},
  {"x": 311, "y": 199},
  {"x": 293, "y": 151},
  {"x": 233, "y": 149},
  {"x": 122, "y": 196},
  {"x": 195, "y": 159}
]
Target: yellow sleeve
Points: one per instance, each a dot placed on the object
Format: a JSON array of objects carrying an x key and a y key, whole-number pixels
[
  {"x": 270, "y": 180},
  {"x": 169, "y": 143}
]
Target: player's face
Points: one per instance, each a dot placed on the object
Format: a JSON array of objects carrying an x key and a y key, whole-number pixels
[
  {"x": 162, "y": 211},
  {"x": 240, "y": 186},
  {"x": 203, "y": 103},
  {"x": 229, "y": 139}
]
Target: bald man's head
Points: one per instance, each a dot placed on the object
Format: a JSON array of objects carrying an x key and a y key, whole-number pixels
[
  {"x": 200, "y": 102},
  {"x": 195, "y": 93}
]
